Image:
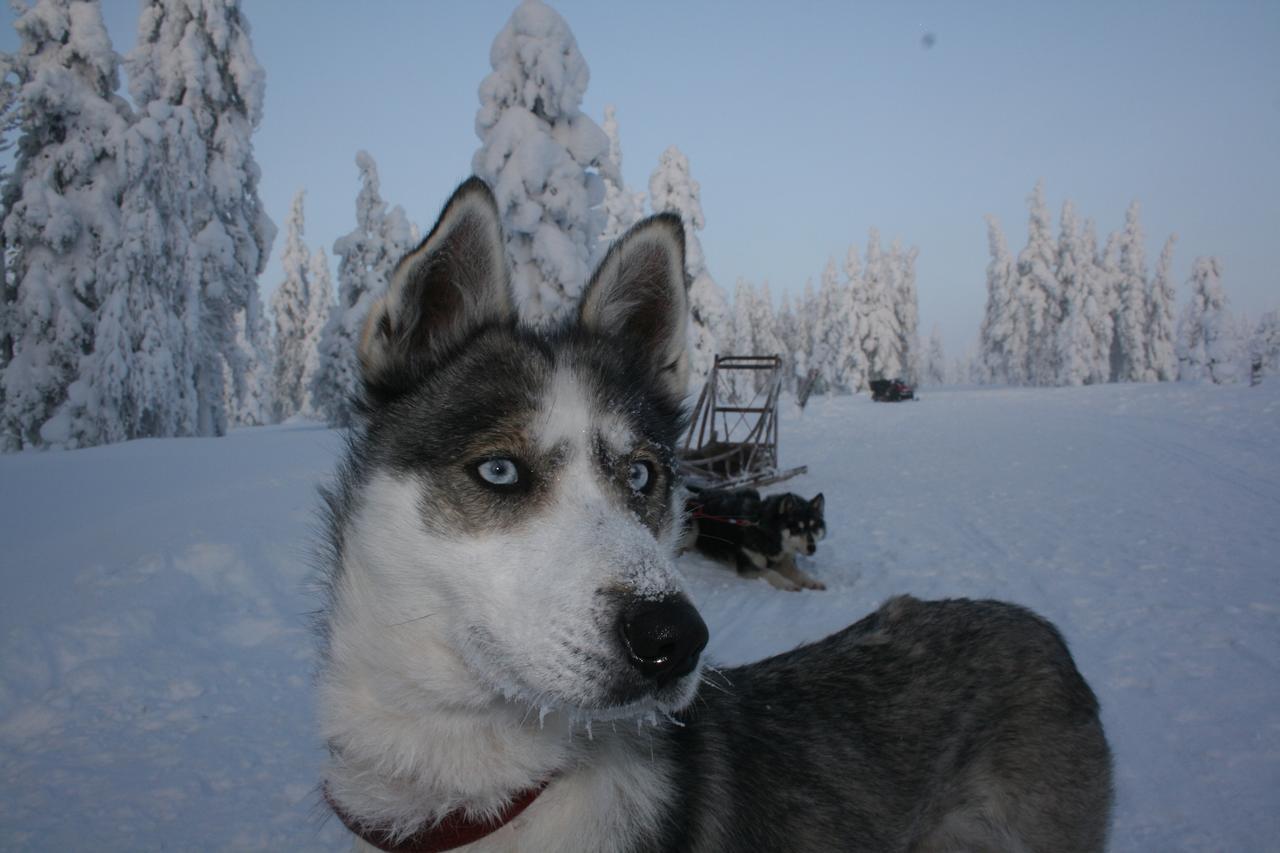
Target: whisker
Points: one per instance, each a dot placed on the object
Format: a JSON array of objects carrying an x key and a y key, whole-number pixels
[
  {"x": 709, "y": 668},
  {"x": 707, "y": 681}
]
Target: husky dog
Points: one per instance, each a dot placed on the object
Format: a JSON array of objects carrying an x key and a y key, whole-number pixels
[
  {"x": 509, "y": 660},
  {"x": 761, "y": 536}
]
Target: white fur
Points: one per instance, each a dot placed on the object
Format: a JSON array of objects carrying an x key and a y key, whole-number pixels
[{"x": 450, "y": 680}]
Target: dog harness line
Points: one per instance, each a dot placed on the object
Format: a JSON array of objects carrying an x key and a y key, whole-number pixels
[
  {"x": 452, "y": 832},
  {"x": 727, "y": 519}
]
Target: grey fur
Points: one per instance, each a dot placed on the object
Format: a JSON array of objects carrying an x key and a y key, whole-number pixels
[{"x": 946, "y": 725}]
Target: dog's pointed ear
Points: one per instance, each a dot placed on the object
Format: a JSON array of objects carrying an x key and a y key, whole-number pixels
[
  {"x": 639, "y": 293},
  {"x": 454, "y": 282},
  {"x": 787, "y": 504},
  {"x": 818, "y": 502}
]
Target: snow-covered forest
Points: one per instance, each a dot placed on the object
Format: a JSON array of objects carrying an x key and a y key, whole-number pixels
[
  {"x": 134, "y": 245},
  {"x": 1069, "y": 311}
]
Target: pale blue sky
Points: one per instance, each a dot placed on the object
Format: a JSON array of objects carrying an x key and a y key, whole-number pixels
[{"x": 806, "y": 123}]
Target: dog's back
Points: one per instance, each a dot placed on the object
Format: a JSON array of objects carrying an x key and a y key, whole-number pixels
[{"x": 952, "y": 725}]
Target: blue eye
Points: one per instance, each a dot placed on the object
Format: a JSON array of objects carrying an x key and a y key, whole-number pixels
[
  {"x": 499, "y": 472},
  {"x": 638, "y": 479}
]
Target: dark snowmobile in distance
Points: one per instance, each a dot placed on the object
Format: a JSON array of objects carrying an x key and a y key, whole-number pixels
[{"x": 891, "y": 391}]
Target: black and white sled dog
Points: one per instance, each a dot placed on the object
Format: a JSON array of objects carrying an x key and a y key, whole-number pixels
[
  {"x": 760, "y": 536},
  {"x": 510, "y": 662}
]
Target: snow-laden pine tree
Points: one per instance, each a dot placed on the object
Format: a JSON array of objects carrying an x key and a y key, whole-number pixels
[
  {"x": 1131, "y": 301},
  {"x": 1098, "y": 284},
  {"x": 764, "y": 330},
  {"x": 855, "y": 306},
  {"x": 1038, "y": 298},
  {"x": 1264, "y": 347},
  {"x": 194, "y": 76},
  {"x": 1081, "y": 340},
  {"x": 544, "y": 160},
  {"x": 788, "y": 330},
  {"x": 300, "y": 307},
  {"x": 253, "y": 405},
  {"x": 880, "y": 336},
  {"x": 1107, "y": 268},
  {"x": 622, "y": 208},
  {"x": 141, "y": 373},
  {"x": 62, "y": 218},
  {"x": 906, "y": 308},
  {"x": 1207, "y": 344},
  {"x": 935, "y": 361},
  {"x": 836, "y": 353},
  {"x": 8, "y": 291},
  {"x": 672, "y": 189},
  {"x": 367, "y": 255},
  {"x": 1161, "y": 331},
  {"x": 806, "y": 310},
  {"x": 321, "y": 309},
  {"x": 737, "y": 386},
  {"x": 1003, "y": 336}
]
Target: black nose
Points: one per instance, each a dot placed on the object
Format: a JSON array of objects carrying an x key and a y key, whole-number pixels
[{"x": 663, "y": 638}]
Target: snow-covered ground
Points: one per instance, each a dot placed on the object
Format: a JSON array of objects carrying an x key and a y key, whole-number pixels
[{"x": 155, "y": 658}]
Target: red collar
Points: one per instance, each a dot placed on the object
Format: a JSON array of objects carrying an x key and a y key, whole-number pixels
[{"x": 454, "y": 830}]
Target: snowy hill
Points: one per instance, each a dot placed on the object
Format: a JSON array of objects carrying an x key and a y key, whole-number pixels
[{"x": 155, "y": 658}]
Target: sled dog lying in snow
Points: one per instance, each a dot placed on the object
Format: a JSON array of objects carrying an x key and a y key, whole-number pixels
[
  {"x": 510, "y": 661},
  {"x": 761, "y": 536}
]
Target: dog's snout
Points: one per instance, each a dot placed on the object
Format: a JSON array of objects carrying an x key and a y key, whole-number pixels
[{"x": 663, "y": 638}]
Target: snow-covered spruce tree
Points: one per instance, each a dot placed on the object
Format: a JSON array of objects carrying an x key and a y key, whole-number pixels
[
  {"x": 764, "y": 330},
  {"x": 1081, "y": 357},
  {"x": 787, "y": 332},
  {"x": 195, "y": 76},
  {"x": 855, "y": 305},
  {"x": 622, "y": 208},
  {"x": 880, "y": 336},
  {"x": 1131, "y": 301},
  {"x": 300, "y": 307},
  {"x": 1107, "y": 268},
  {"x": 1003, "y": 336},
  {"x": 62, "y": 216},
  {"x": 806, "y": 321},
  {"x": 1207, "y": 344},
  {"x": 544, "y": 160},
  {"x": 322, "y": 308},
  {"x": 1264, "y": 347},
  {"x": 139, "y": 380},
  {"x": 1040, "y": 303},
  {"x": 672, "y": 189},
  {"x": 253, "y": 404},
  {"x": 367, "y": 255},
  {"x": 906, "y": 308},
  {"x": 836, "y": 353},
  {"x": 935, "y": 360},
  {"x": 1161, "y": 331},
  {"x": 737, "y": 386},
  {"x": 8, "y": 292},
  {"x": 1100, "y": 283}
]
